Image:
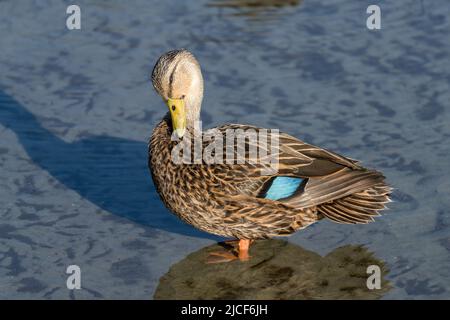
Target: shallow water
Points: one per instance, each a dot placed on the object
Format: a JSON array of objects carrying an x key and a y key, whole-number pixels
[{"x": 77, "y": 108}]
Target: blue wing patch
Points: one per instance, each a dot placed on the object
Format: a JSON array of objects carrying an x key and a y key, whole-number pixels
[{"x": 283, "y": 187}]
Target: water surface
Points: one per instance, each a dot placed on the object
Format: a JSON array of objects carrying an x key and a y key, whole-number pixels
[{"x": 77, "y": 109}]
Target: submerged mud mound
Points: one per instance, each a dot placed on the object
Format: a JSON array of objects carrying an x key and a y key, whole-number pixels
[{"x": 276, "y": 270}]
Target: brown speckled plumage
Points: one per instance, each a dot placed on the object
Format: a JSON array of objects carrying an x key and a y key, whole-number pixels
[{"x": 226, "y": 199}]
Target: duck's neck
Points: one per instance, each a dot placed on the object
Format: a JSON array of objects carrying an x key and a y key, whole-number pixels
[
  {"x": 193, "y": 107},
  {"x": 194, "y": 94}
]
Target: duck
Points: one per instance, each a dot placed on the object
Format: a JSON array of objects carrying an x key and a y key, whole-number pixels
[{"x": 245, "y": 199}]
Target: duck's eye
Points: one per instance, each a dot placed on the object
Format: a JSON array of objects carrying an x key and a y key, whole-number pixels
[{"x": 173, "y": 107}]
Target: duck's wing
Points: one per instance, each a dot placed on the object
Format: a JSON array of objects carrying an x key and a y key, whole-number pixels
[
  {"x": 291, "y": 157},
  {"x": 307, "y": 176}
]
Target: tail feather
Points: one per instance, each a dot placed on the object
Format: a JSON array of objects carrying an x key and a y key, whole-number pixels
[
  {"x": 343, "y": 216},
  {"x": 358, "y": 207},
  {"x": 346, "y": 205},
  {"x": 346, "y": 196},
  {"x": 340, "y": 184},
  {"x": 374, "y": 205}
]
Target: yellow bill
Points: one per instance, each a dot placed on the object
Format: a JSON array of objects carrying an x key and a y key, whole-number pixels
[{"x": 178, "y": 114}]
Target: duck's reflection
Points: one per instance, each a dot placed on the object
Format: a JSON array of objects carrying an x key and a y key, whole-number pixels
[
  {"x": 277, "y": 270},
  {"x": 254, "y": 3},
  {"x": 254, "y": 8}
]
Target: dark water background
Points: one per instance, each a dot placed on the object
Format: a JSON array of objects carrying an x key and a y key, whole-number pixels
[{"x": 77, "y": 108}]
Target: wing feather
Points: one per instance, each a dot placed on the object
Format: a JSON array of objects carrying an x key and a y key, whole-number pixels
[{"x": 339, "y": 187}]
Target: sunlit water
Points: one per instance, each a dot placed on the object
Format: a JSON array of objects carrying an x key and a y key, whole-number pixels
[{"x": 77, "y": 109}]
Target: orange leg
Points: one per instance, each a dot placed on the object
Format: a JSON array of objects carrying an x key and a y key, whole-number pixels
[
  {"x": 227, "y": 256},
  {"x": 244, "y": 245}
]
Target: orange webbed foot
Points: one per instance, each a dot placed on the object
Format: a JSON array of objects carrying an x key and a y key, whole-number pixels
[
  {"x": 221, "y": 257},
  {"x": 239, "y": 246}
]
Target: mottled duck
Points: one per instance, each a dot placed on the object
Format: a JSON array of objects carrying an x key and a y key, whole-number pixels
[{"x": 237, "y": 199}]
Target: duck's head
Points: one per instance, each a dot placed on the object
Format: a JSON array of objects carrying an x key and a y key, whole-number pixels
[{"x": 178, "y": 80}]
